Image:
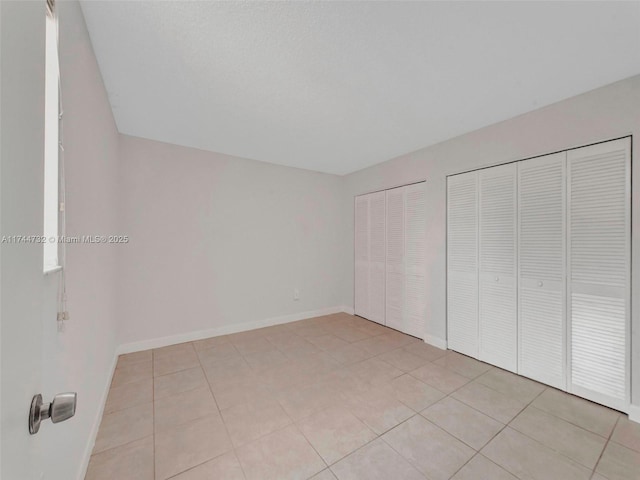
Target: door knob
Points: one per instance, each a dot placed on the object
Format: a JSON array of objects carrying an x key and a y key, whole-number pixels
[
  {"x": 62, "y": 408},
  {"x": 540, "y": 284},
  {"x": 497, "y": 279}
]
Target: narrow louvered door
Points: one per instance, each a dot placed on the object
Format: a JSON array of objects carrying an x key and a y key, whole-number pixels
[
  {"x": 361, "y": 254},
  {"x": 541, "y": 269},
  {"x": 599, "y": 262},
  {"x": 395, "y": 258},
  {"x": 415, "y": 266},
  {"x": 497, "y": 278},
  {"x": 462, "y": 263},
  {"x": 376, "y": 310}
]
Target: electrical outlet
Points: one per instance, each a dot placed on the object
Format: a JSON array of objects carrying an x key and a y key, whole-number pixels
[{"x": 296, "y": 294}]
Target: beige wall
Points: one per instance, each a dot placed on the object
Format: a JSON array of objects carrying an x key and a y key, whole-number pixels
[
  {"x": 608, "y": 112},
  {"x": 219, "y": 242}
]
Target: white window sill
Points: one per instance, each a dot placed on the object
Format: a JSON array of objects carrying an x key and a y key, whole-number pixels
[{"x": 50, "y": 270}]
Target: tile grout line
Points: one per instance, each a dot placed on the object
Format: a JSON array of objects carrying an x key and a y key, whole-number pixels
[
  {"x": 618, "y": 413},
  {"x": 217, "y": 456},
  {"x": 378, "y": 437},
  {"x": 105, "y": 414},
  {"x": 593, "y": 472},
  {"x": 233, "y": 448},
  {"x": 326, "y": 465},
  {"x": 400, "y": 454},
  {"x": 561, "y": 454},
  {"x": 505, "y": 425},
  {"x": 123, "y": 444},
  {"x": 576, "y": 462},
  {"x": 206, "y": 416},
  {"x": 551, "y": 414},
  {"x": 478, "y": 452},
  {"x": 235, "y": 454}
]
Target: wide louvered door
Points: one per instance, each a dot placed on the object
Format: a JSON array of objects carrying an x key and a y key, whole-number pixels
[
  {"x": 376, "y": 311},
  {"x": 415, "y": 266},
  {"x": 599, "y": 262},
  {"x": 497, "y": 319},
  {"x": 541, "y": 269},
  {"x": 395, "y": 258},
  {"x": 361, "y": 277},
  {"x": 462, "y": 263}
]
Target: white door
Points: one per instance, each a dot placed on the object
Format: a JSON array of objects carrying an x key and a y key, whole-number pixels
[
  {"x": 21, "y": 213},
  {"x": 462, "y": 263},
  {"x": 361, "y": 237},
  {"x": 390, "y": 243},
  {"x": 376, "y": 292},
  {"x": 541, "y": 269},
  {"x": 599, "y": 186},
  {"x": 395, "y": 258},
  {"x": 498, "y": 264},
  {"x": 415, "y": 261}
]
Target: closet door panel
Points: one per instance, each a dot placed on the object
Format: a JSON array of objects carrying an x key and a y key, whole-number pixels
[
  {"x": 599, "y": 263},
  {"x": 361, "y": 253},
  {"x": 462, "y": 263},
  {"x": 395, "y": 258},
  {"x": 497, "y": 247},
  {"x": 415, "y": 261},
  {"x": 541, "y": 256},
  {"x": 377, "y": 256}
]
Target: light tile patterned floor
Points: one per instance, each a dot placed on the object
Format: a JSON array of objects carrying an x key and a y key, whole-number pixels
[{"x": 342, "y": 397}]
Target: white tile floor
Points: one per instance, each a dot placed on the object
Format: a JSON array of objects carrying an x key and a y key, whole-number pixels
[{"x": 342, "y": 397}]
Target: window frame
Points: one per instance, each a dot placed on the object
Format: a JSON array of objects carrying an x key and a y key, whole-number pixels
[{"x": 51, "y": 167}]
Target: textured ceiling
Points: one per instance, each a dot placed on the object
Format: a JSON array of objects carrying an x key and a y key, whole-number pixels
[{"x": 339, "y": 86}]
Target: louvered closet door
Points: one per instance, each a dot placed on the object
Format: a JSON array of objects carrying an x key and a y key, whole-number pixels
[
  {"x": 361, "y": 277},
  {"x": 462, "y": 263},
  {"x": 497, "y": 247},
  {"x": 599, "y": 262},
  {"x": 395, "y": 258},
  {"x": 377, "y": 254},
  {"x": 415, "y": 266},
  {"x": 541, "y": 283}
]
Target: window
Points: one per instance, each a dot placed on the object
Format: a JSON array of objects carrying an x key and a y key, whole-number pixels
[{"x": 51, "y": 146}]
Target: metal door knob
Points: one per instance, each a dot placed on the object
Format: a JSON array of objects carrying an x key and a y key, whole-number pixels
[
  {"x": 540, "y": 284},
  {"x": 497, "y": 279},
  {"x": 62, "y": 408}
]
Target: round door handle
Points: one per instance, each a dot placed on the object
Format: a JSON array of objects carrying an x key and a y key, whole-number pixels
[
  {"x": 540, "y": 284},
  {"x": 497, "y": 279}
]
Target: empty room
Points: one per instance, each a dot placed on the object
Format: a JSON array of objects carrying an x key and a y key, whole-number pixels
[{"x": 329, "y": 240}]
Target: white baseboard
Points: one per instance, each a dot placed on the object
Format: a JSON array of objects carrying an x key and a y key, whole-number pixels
[
  {"x": 634, "y": 413},
  {"x": 348, "y": 310},
  {"x": 435, "y": 341},
  {"x": 82, "y": 473},
  {"x": 226, "y": 330}
]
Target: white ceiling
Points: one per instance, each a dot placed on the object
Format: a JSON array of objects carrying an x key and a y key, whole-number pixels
[{"x": 339, "y": 86}]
